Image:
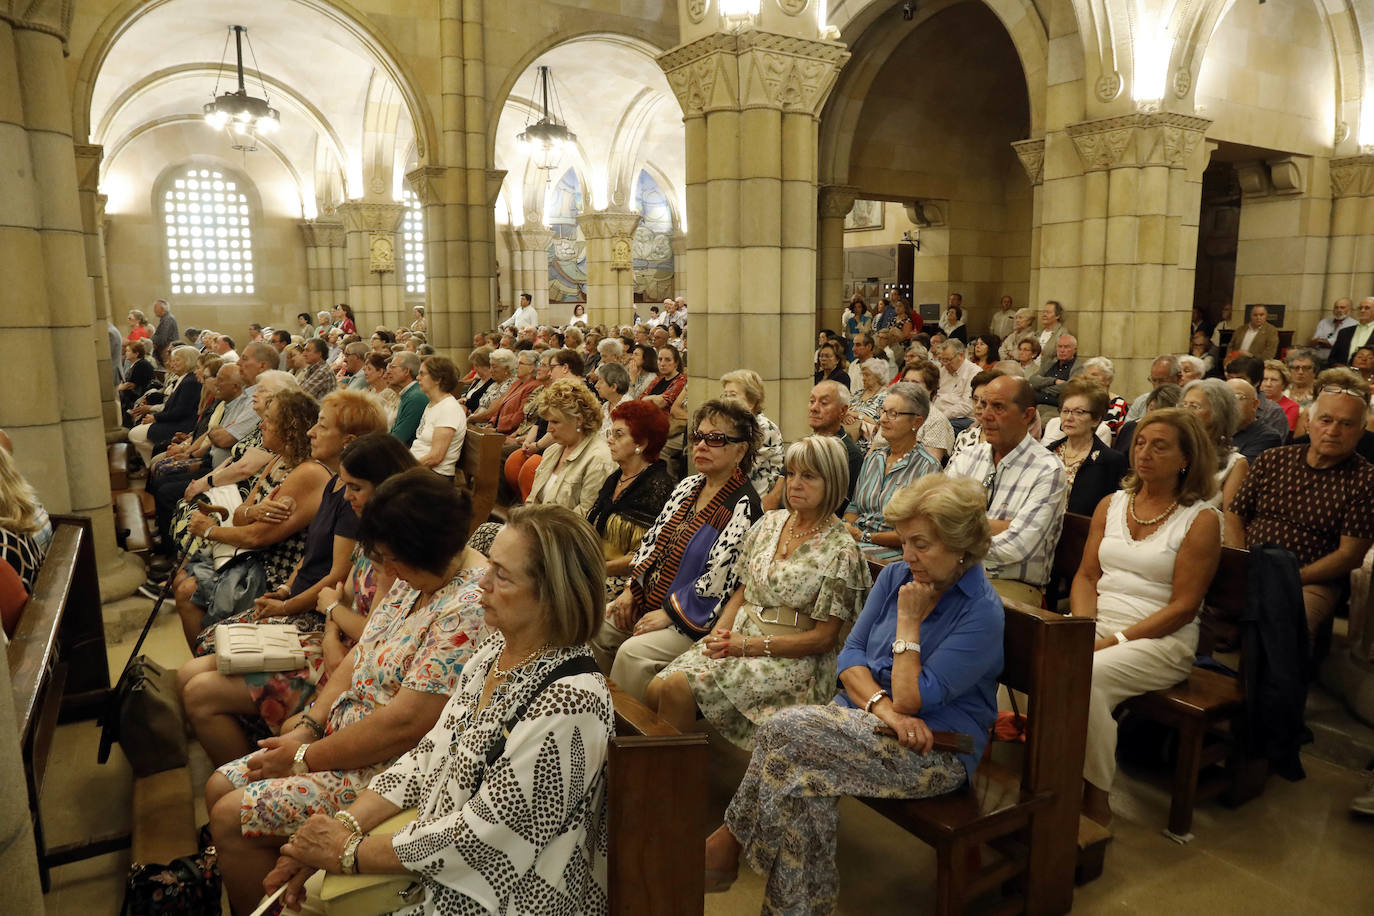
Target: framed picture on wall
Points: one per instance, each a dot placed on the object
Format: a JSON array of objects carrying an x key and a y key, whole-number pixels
[{"x": 865, "y": 214}]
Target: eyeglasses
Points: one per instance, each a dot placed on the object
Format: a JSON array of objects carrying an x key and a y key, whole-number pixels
[
  {"x": 1075, "y": 412},
  {"x": 714, "y": 440},
  {"x": 1337, "y": 389},
  {"x": 1300, "y": 367},
  {"x": 1194, "y": 406},
  {"x": 887, "y": 414}
]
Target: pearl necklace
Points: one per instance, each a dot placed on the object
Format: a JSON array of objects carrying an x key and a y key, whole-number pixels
[
  {"x": 1146, "y": 522},
  {"x": 497, "y": 670},
  {"x": 796, "y": 537}
]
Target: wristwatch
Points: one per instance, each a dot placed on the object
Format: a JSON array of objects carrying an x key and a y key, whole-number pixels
[
  {"x": 298, "y": 765},
  {"x": 348, "y": 859},
  {"x": 901, "y": 645},
  {"x": 865, "y": 538},
  {"x": 1122, "y": 638}
]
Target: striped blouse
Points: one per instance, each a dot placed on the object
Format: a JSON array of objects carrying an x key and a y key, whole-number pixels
[{"x": 877, "y": 484}]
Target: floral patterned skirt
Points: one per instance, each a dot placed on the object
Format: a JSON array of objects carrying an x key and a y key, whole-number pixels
[
  {"x": 277, "y": 807},
  {"x": 738, "y": 694}
]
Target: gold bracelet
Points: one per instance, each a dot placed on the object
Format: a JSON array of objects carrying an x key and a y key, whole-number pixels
[{"x": 744, "y": 649}]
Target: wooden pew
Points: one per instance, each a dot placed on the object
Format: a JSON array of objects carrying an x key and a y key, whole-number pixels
[
  {"x": 656, "y": 794},
  {"x": 58, "y": 669},
  {"x": 1030, "y": 818},
  {"x": 481, "y": 464},
  {"x": 1206, "y": 710},
  {"x": 117, "y": 457}
]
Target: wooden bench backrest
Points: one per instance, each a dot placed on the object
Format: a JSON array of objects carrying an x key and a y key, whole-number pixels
[
  {"x": 481, "y": 465},
  {"x": 1049, "y": 658},
  {"x": 656, "y": 812}
]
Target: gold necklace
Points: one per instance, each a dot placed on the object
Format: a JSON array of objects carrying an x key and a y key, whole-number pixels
[
  {"x": 1144, "y": 522},
  {"x": 497, "y": 670}
]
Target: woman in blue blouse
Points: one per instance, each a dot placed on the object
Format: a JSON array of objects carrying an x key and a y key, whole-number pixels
[{"x": 923, "y": 657}]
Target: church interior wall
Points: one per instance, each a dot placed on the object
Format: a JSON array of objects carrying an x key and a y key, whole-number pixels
[{"x": 135, "y": 241}]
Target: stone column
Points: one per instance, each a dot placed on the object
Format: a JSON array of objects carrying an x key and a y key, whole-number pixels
[
  {"x": 92, "y": 224},
  {"x": 529, "y": 255},
  {"x": 375, "y": 288},
  {"x": 750, "y": 101},
  {"x": 1350, "y": 258},
  {"x": 458, "y": 190},
  {"x": 679, "y": 242},
  {"x": 833, "y": 205},
  {"x": 326, "y": 263},
  {"x": 54, "y": 418},
  {"x": 1118, "y": 234},
  {"x": 610, "y": 265},
  {"x": 1281, "y": 256}
]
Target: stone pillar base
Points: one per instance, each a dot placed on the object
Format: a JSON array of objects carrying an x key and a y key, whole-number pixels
[{"x": 121, "y": 573}]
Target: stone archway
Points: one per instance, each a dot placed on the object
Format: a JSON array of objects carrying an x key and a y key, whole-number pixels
[{"x": 925, "y": 122}]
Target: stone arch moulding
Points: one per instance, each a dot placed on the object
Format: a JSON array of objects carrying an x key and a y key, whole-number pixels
[
  {"x": 670, "y": 191},
  {"x": 1195, "y": 24},
  {"x": 348, "y": 17},
  {"x": 155, "y": 81},
  {"x": 872, "y": 47},
  {"x": 112, "y": 153},
  {"x": 641, "y": 44}
]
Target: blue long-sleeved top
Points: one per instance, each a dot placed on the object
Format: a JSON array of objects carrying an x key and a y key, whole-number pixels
[{"x": 961, "y": 653}]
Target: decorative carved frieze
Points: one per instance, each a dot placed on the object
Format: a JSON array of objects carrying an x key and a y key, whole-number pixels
[
  {"x": 753, "y": 69},
  {"x": 323, "y": 233},
  {"x": 370, "y": 216},
  {"x": 1352, "y": 176},
  {"x": 928, "y": 214},
  {"x": 1032, "y": 156},
  {"x": 427, "y": 183},
  {"x": 835, "y": 201},
  {"x": 1143, "y": 138}
]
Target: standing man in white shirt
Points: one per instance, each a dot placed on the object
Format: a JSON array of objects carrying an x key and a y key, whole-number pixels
[
  {"x": 1027, "y": 490},
  {"x": 1004, "y": 322},
  {"x": 523, "y": 317}
]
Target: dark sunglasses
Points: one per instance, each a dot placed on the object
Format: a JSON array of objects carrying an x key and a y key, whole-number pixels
[{"x": 714, "y": 440}]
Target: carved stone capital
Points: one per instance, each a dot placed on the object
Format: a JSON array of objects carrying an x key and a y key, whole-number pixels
[
  {"x": 753, "y": 69},
  {"x": 368, "y": 216},
  {"x": 427, "y": 183},
  {"x": 1352, "y": 176},
  {"x": 495, "y": 178},
  {"x": 51, "y": 16},
  {"x": 88, "y": 157},
  {"x": 835, "y": 201},
  {"x": 616, "y": 225},
  {"x": 1032, "y": 156},
  {"x": 323, "y": 233},
  {"x": 531, "y": 237},
  {"x": 1142, "y": 138}
]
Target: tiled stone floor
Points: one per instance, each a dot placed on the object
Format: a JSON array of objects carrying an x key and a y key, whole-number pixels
[{"x": 1295, "y": 850}]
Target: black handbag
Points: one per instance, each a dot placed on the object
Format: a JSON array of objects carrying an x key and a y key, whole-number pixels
[{"x": 188, "y": 886}]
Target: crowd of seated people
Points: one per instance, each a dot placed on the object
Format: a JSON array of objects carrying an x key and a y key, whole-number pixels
[{"x": 721, "y": 595}]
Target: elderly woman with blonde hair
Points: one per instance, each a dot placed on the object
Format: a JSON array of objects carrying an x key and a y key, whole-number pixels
[
  {"x": 578, "y": 462},
  {"x": 803, "y": 578},
  {"x": 747, "y": 385},
  {"x": 923, "y": 657}
]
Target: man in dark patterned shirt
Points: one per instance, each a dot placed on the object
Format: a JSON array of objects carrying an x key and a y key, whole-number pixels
[{"x": 1316, "y": 500}]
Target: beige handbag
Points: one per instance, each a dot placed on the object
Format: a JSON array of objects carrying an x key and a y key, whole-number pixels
[
  {"x": 248, "y": 648},
  {"x": 363, "y": 895}
]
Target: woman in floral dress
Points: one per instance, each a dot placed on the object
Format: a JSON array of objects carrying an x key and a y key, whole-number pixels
[
  {"x": 774, "y": 646},
  {"x": 385, "y": 695}
]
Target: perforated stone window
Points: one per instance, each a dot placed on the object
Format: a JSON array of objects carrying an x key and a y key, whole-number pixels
[
  {"x": 209, "y": 235},
  {"x": 413, "y": 244}
]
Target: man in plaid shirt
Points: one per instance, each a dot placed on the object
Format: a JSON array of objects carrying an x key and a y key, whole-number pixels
[{"x": 1027, "y": 490}]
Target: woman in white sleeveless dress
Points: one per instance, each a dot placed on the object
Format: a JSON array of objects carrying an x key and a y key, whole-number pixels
[{"x": 1152, "y": 551}]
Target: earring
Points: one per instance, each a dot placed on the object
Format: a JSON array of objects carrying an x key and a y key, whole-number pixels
[{"x": 637, "y": 450}]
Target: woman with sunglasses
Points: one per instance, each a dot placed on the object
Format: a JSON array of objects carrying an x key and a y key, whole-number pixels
[
  {"x": 687, "y": 565},
  {"x": 898, "y": 461}
]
